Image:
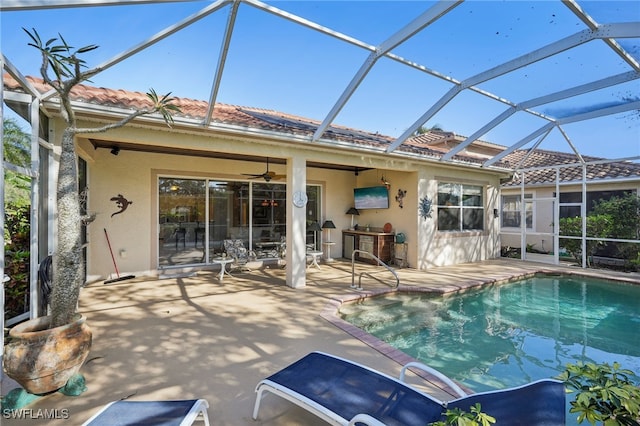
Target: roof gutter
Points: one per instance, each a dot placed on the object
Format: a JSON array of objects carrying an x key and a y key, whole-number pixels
[{"x": 52, "y": 105}]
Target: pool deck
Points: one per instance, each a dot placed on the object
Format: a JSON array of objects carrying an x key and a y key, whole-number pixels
[{"x": 197, "y": 337}]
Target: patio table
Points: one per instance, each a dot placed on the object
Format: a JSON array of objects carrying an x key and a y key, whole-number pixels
[
  {"x": 222, "y": 261},
  {"x": 314, "y": 254}
]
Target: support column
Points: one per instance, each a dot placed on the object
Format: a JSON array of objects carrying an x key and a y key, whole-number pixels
[{"x": 296, "y": 222}]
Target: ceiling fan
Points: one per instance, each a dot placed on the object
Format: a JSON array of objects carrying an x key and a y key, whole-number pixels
[{"x": 267, "y": 176}]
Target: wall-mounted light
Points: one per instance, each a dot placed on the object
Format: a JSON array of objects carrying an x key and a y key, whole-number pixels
[
  {"x": 115, "y": 150},
  {"x": 496, "y": 214}
]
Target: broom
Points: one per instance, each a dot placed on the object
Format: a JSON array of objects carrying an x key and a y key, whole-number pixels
[{"x": 119, "y": 278}]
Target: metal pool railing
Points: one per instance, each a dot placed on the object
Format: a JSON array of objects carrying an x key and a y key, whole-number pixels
[{"x": 380, "y": 262}]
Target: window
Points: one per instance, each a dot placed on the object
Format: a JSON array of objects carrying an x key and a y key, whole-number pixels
[
  {"x": 460, "y": 207},
  {"x": 511, "y": 211}
]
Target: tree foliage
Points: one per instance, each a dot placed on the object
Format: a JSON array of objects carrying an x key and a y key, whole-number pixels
[
  {"x": 625, "y": 216},
  {"x": 16, "y": 145},
  {"x": 618, "y": 218}
]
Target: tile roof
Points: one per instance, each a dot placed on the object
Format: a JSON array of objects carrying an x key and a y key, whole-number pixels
[
  {"x": 541, "y": 158},
  {"x": 244, "y": 117},
  {"x": 429, "y": 145}
]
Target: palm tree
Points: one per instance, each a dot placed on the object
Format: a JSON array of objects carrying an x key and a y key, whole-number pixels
[
  {"x": 16, "y": 145},
  {"x": 423, "y": 129}
]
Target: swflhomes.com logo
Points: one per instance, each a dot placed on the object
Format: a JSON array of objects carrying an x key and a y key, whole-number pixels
[{"x": 41, "y": 413}]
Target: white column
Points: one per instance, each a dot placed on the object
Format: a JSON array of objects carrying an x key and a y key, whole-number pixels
[{"x": 296, "y": 222}]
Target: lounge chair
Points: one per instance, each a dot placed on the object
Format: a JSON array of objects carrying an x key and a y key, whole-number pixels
[
  {"x": 157, "y": 413},
  {"x": 342, "y": 392}
]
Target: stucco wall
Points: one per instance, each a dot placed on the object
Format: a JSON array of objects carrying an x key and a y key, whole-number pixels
[
  {"x": 133, "y": 234},
  {"x": 438, "y": 248}
]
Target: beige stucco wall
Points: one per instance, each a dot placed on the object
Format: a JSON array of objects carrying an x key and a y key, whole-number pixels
[
  {"x": 437, "y": 248},
  {"x": 133, "y": 234}
]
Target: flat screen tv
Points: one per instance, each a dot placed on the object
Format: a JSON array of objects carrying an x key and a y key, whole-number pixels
[{"x": 375, "y": 197}]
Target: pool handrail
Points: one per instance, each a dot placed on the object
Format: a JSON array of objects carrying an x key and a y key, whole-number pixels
[{"x": 380, "y": 262}]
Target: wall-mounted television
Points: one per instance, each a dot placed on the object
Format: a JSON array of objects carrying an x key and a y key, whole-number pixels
[{"x": 374, "y": 197}]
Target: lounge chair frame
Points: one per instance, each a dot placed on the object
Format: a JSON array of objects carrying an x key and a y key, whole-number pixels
[
  {"x": 176, "y": 413},
  {"x": 547, "y": 395}
]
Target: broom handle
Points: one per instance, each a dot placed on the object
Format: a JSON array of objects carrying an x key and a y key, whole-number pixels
[{"x": 111, "y": 251}]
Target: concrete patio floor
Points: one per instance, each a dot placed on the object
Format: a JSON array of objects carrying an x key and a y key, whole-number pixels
[{"x": 197, "y": 337}]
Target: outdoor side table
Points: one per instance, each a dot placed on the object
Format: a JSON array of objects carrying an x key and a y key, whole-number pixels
[
  {"x": 222, "y": 261},
  {"x": 314, "y": 254}
]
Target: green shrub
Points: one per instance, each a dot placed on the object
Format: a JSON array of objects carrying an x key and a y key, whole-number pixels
[
  {"x": 17, "y": 257},
  {"x": 604, "y": 394},
  {"x": 458, "y": 417},
  {"x": 598, "y": 226}
]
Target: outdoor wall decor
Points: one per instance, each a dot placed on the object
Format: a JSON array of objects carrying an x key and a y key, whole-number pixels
[
  {"x": 121, "y": 203},
  {"x": 385, "y": 182},
  {"x": 425, "y": 207},
  {"x": 400, "y": 197}
]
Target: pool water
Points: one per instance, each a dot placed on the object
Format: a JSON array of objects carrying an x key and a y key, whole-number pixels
[{"x": 508, "y": 335}]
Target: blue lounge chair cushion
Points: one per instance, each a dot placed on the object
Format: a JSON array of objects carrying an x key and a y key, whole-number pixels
[
  {"x": 157, "y": 413},
  {"x": 336, "y": 390},
  {"x": 349, "y": 389},
  {"x": 540, "y": 403}
]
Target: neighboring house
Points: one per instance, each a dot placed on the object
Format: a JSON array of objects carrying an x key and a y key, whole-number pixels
[
  {"x": 189, "y": 187},
  {"x": 547, "y": 174}
]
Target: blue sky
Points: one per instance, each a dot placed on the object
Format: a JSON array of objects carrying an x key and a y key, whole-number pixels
[{"x": 276, "y": 64}]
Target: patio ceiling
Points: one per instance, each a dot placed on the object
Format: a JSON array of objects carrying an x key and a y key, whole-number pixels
[{"x": 538, "y": 81}]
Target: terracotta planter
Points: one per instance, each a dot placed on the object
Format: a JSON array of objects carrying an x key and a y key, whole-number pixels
[{"x": 42, "y": 360}]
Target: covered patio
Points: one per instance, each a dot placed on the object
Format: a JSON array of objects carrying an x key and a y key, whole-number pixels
[
  {"x": 195, "y": 337},
  {"x": 192, "y": 335}
]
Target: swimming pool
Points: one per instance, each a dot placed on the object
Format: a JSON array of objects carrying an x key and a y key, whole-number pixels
[{"x": 509, "y": 334}]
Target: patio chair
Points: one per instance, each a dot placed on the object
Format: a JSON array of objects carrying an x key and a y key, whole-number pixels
[
  {"x": 342, "y": 392},
  {"x": 235, "y": 249},
  {"x": 164, "y": 413}
]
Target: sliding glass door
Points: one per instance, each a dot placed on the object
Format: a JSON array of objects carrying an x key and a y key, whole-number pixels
[
  {"x": 181, "y": 221},
  {"x": 195, "y": 216}
]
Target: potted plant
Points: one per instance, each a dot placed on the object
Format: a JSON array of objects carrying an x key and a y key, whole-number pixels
[
  {"x": 45, "y": 352},
  {"x": 604, "y": 394},
  {"x": 458, "y": 417}
]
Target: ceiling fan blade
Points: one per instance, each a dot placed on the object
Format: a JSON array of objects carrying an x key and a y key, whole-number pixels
[{"x": 267, "y": 176}]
